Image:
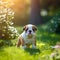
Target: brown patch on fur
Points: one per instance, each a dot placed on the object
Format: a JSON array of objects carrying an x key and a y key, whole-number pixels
[
  {"x": 20, "y": 41},
  {"x": 34, "y": 28},
  {"x": 25, "y": 28}
]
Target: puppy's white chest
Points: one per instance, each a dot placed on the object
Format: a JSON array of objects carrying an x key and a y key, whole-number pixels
[{"x": 26, "y": 39}]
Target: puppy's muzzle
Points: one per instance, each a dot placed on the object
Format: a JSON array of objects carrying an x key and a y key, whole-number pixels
[{"x": 30, "y": 31}]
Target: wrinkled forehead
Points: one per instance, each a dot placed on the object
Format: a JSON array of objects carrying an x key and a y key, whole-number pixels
[{"x": 29, "y": 26}]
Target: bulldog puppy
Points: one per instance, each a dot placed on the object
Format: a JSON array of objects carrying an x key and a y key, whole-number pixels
[{"x": 28, "y": 37}]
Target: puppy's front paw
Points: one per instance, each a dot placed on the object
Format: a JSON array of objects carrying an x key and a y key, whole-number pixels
[{"x": 33, "y": 46}]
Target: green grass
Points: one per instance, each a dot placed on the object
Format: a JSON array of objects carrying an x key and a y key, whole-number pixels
[{"x": 42, "y": 52}]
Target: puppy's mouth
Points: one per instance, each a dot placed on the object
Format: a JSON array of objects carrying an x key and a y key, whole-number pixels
[
  {"x": 30, "y": 36},
  {"x": 29, "y": 33}
]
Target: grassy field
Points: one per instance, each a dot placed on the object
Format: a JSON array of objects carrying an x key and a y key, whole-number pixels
[{"x": 43, "y": 51}]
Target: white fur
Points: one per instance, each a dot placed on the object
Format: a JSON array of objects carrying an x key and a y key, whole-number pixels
[
  {"x": 26, "y": 40},
  {"x": 33, "y": 46},
  {"x": 30, "y": 28},
  {"x": 25, "y": 36}
]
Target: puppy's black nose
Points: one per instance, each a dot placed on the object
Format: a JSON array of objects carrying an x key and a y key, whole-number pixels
[{"x": 29, "y": 31}]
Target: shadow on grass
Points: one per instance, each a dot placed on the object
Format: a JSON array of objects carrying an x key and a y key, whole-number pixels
[{"x": 32, "y": 51}]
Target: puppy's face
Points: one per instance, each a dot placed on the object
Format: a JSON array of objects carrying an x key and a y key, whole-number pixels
[{"x": 30, "y": 29}]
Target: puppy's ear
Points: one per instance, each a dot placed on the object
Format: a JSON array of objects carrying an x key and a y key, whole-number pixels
[
  {"x": 24, "y": 27},
  {"x": 34, "y": 28}
]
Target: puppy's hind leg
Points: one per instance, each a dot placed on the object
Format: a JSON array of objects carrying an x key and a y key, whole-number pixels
[{"x": 18, "y": 43}]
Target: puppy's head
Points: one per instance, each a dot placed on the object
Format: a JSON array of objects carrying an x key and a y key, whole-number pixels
[{"x": 30, "y": 29}]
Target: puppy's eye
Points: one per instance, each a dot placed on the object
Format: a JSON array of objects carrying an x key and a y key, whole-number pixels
[
  {"x": 26, "y": 29},
  {"x": 33, "y": 29}
]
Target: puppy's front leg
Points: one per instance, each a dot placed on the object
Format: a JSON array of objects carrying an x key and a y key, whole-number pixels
[
  {"x": 18, "y": 43},
  {"x": 34, "y": 44},
  {"x": 23, "y": 44}
]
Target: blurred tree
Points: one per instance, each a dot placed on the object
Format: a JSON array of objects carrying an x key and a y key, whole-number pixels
[
  {"x": 52, "y": 6},
  {"x": 22, "y": 10},
  {"x": 35, "y": 17}
]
